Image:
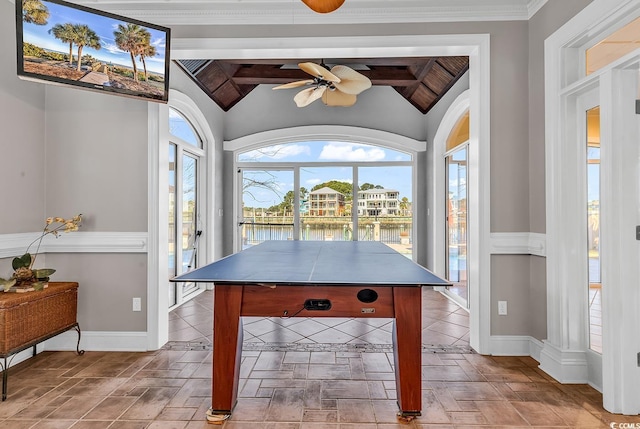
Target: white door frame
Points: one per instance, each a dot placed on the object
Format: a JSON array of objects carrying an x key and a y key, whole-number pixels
[
  {"x": 476, "y": 46},
  {"x": 565, "y": 354}
]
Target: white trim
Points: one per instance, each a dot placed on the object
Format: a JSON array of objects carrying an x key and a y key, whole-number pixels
[
  {"x": 518, "y": 243},
  {"x": 566, "y": 366},
  {"x": 104, "y": 341},
  {"x": 157, "y": 261},
  {"x": 516, "y": 345},
  {"x": 534, "y": 6},
  {"x": 157, "y": 284},
  {"x": 12, "y": 245},
  {"x": 326, "y": 132},
  {"x": 565, "y": 355},
  {"x": 326, "y": 47},
  {"x": 283, "y": 12}
]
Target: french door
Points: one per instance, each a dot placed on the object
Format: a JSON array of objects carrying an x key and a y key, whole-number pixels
[
  {"x": 456, "y": 224},
  {"x": 184, "y": 222}
]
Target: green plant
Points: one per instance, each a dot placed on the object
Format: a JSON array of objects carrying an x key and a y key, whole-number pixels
[{"x": 23, "y": 272}]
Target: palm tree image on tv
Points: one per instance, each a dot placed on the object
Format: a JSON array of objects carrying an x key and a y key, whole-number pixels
[
  {"x": 84, "y": 36},
  {"x": 133, "y": 39},
  {"x": 94, "y": 49},
  {"x": 33, "y": 11},
  {"x": 64, "y": 32},
  {"x": 146, "y": 50}
]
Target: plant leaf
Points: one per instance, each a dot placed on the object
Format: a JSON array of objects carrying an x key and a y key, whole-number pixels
[
  {"x": 23, "y": 261},
  {"x": 6, "y": 284},
  {"x": 43, "y": 273}
]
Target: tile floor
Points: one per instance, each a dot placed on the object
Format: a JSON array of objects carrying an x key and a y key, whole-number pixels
[{"x": 296, "y": 375}]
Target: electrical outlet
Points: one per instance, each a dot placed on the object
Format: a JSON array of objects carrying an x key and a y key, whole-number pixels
[
  {"x": 137, "y": 304},
  {"x": 502, "y": 308}
]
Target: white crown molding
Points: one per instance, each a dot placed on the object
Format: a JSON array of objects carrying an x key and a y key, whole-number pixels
[
  {"x": 534, "y": 6},
  {"x": 12, "y": 245},
  {"x": 282, "y": 12}
]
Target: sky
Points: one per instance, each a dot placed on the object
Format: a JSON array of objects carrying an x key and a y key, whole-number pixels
[
  {"x": 104, "y": 28},
  {"x": 324, "y": 154}
]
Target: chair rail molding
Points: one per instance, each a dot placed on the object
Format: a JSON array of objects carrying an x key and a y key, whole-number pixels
[
  {"x": 12, "y": 245},
  {"x": 518, "y": 243}
]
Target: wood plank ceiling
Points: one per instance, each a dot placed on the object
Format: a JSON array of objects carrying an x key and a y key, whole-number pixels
[{"x": 422, "y": 81}]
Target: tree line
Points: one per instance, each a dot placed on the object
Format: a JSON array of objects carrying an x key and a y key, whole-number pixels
[{"x": 288, "y": 200}]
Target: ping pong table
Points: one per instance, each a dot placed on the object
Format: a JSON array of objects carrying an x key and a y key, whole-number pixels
[{"x": 316, "y": 279}]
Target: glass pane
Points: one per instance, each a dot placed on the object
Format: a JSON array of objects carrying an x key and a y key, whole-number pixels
[
  {"x": 172, "y": 223},
  {"x": 189, "y": 217},
  {"x": 323, "y": 151},
  {"x": 617, "y": 45},
  {"x": 267, "y": 206},
  {"x": 384, "y": 206},
  {"x": 593, "y": 228},
  {"x": 456, "y": 236},
  {"x": 180, "y": 127},
  {"x": 326, "y": 203}
]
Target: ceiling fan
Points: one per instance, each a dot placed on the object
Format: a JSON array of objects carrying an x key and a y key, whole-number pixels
[{"x": 338, "y": 87}]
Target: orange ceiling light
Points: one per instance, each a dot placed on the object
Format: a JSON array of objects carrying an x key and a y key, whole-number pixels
[{"x": 323, "y": 6}]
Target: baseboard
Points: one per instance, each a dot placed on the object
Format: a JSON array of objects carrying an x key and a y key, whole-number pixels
[
  {"x": 515, "y": 345},
  {"x": 98, "y": 341},
  {"x": 566, "y": 366}
]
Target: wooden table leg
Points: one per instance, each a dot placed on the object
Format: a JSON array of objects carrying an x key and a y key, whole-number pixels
[
  {"x": 227, "y": 347},
  {"x": 407, "y": 349}
]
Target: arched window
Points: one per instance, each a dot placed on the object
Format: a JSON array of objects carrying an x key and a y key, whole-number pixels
[
  {"x": 327, "y": 189},
  {"x": 185, "y": 153}
]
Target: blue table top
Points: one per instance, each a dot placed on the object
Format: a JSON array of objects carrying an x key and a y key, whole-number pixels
[{"x": 315, "y": 263}]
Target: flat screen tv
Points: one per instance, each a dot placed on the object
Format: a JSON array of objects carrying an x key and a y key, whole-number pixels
[{"x": 69, "y": 44}]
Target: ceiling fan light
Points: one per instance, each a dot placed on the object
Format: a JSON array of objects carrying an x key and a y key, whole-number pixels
[{"x": 323, "y": 6}]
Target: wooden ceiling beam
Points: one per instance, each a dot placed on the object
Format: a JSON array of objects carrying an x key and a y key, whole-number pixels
[{"x": 268, "y": 74}]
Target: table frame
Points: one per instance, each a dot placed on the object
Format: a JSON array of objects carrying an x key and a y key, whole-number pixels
[{"x": 403, "y": 303}]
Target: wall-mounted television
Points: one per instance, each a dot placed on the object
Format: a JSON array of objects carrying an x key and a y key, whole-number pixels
[{"x": 68, "y": 44}]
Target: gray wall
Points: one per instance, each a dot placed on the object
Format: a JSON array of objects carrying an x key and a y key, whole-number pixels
[
  {"x": 96, "y": 158},
  {"x": 380, "y": 108},
  {"x": 521, "y": 280},
  {"x": 67, "y": 151},
  {"x": 23, "y": 127}
]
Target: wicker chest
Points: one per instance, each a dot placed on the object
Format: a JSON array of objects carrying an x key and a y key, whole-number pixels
[
  {"x": 28, "y": 318},
  {"x": 31, "y": 317}
]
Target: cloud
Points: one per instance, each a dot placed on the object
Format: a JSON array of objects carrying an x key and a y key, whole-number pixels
[
  {"x": 278, "y": 151},
  {"x": 351, "y": 152}
]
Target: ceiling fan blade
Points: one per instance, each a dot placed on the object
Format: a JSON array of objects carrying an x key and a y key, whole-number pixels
[
  {"x": 308, "y": 96},
  {"x": 295, "y": 84},
  {"x": 338, "y": 98},
  {"x": 323, "y": 6},
  {"x": 351, "y": 81},
  {"x": 316, "y": 70}
]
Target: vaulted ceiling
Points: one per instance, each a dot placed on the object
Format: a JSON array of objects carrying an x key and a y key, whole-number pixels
[{"x": 422, "y": 81}]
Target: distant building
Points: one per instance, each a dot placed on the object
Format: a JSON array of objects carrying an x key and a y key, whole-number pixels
[
  {"x": 378, "y": 202},
  {"x": 304, "y": 207},
  {"x": 326, "y": 202}
]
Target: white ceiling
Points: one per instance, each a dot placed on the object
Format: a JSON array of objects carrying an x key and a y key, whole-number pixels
[{"x": 283, "y": 12}]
